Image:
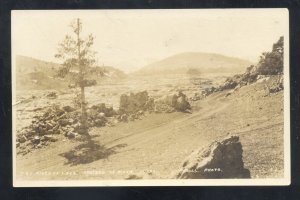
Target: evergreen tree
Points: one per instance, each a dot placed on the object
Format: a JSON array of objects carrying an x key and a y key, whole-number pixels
[{"x": 76, "y": 53}]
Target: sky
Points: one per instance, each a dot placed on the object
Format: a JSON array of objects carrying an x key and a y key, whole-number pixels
[{"x": 131, "y": 39}]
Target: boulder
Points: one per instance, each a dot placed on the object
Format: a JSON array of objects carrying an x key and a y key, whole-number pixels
[
  {"x": 221, "y": 159},
  {"x": 101, "y": 121},
  {"x": 134, "y": 102},
  {"x": 281, "y": 82},
  {"x": 140, "y": 113},
  {"x": 71, "y": 135},
  {"x": 22, "y": 139},
  {"x": 68, "y": 108},
  {"x": 50, "y": 138},
  {"x": 209, "y": 91},
  {"x": 36, "y": 140},
  {"x": 124, "y": 118},
  {"x": 132, "y": 117},
  {"x": 230, "y": 84},
  {"x": 170, "y": 103},
  {"x": 108, "y": 111},
  {"x": 182, "y": 104},
  {"x": 63, "y": 122},
  {"x": 52, "y": 95}
]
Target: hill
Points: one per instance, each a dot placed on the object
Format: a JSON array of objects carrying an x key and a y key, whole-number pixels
[
  {"x": 32, "y": 73},
  {"x": 195, "y": 61}
]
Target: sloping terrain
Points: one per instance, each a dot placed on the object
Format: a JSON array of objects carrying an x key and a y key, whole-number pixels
[
  {"x": 156, "y": 146},
  {"x": 194, "y": 62}
]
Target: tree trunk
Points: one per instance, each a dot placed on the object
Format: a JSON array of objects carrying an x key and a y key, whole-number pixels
[{"x": 84, "y": 124}]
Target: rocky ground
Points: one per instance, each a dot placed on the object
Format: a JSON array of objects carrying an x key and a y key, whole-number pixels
[{"x": 152, "y": 144}]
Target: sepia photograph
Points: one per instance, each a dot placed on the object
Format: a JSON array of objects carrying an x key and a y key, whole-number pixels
[{"x": 164, "y": 97}]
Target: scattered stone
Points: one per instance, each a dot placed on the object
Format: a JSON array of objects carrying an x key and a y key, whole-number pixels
[
  {"x": 133, "y": 176},
  {"x": 100, "y": 122},
  {"x": 275, "y": 89},
  {"x": 22, "y": 139},
  {"x": 131, "y": 117},
  {"x": 140, "y": 113},
  {"x": 262, "y": 79},
  {"x": 71, "y": 135},
  {"x": 68, "y": 109},
  {"x": 197, "y": 97},
  {"x": 229, "y": 84},
  {"x": 50, "y": 138},
  {"x": 52, "y": 95},
  {"x": 36, "y": 140},
  {"x": 229, "y": 93},
  {"x": 124, "y": 118},
  {"x": 102, "y": 108},
  {"x": 221, "y": 159},
  {"x": 63, "y": 122}
]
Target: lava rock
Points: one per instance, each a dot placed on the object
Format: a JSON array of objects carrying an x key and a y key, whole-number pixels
[
  {"x": 36, "y": 140},
  {"x": 222, "y": 159},
  {"x": 68, "y": 108},
  {"x": 22, "y": 139},
  {"x": 50, "y": 138},
  {"x": 134, "y": 102}
]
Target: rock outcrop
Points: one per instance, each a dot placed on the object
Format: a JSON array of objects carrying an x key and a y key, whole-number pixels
[
  {"x": 171, "y": 103},
  {"x": 221, "y": 159},
  {"x": 135, "y": 102}
]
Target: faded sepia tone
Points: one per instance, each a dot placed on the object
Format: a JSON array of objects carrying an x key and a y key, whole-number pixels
[{"x": 150, "y": 97}]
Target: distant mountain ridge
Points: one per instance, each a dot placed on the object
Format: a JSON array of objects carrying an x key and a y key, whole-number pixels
[
  {"x": 195, "y": 61},
  {"x": 33, "y": 73}
]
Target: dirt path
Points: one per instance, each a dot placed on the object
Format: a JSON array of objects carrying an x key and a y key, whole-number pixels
[{"x": 156, "y": 146}]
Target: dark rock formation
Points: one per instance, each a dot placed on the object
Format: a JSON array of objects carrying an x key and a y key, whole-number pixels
[
  {"x": 57, "y": 120},
  {"x": 135, "y": 102},
  {"x": 171, "y": 103},
  {"x": 52, "y": 95},
  {"x": 102, "y": 108},
  {"x": 221, "y": 159}
]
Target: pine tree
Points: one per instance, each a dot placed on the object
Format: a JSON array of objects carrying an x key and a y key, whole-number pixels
[{"x": 76, "y": 53}]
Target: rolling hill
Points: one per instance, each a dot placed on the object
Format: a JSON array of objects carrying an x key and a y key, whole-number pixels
[
  {"x": 195, "y": 62},
  {"x": 32, "y": 73}
]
